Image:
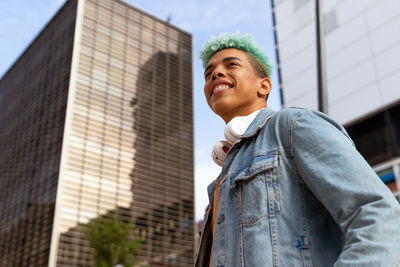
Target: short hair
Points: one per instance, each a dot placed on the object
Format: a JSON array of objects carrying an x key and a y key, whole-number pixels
[
  {"x": 260, "y": 62},
  {"x": 258, "y": 66}
]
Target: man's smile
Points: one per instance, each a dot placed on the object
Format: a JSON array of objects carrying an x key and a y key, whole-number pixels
[{"x": 220, "y": 86}]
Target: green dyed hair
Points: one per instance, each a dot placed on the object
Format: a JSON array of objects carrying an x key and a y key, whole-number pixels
[{"x": 244, "y": 42}]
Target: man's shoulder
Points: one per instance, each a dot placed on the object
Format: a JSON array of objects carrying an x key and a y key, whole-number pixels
[
  {"x": 287, "y": 120},
  {"x": 287, "y": 116},
  {"x": 296, "y": 119},
  {"x": 291, "y": 115},
  {"x": 292, "y": 118},
  {"x": 277, "y": 122},
  {"x": 290, "y": 112}
]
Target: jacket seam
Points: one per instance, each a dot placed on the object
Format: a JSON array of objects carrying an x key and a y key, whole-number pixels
[
  {"x": 291, "y": 127},
  {"x": 304, "y": 233},
  {"x": 239, "y": 212}
]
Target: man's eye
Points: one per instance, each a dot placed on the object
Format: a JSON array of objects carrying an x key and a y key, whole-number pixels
[{"x": 232, "y": 64}]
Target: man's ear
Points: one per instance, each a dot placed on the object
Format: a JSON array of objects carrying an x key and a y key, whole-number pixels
[{"x": 265, "y": 87}]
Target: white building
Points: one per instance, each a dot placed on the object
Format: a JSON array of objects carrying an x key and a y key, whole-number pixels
[{"x": 362, "y": 48}]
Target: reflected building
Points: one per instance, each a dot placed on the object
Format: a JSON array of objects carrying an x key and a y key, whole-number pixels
[
  {"x": 97, "y": 118},
  {"x": 362, "y": 44}
]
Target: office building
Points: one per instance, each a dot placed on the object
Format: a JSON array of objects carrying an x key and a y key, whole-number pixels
[
  {"x": 96, "y": 118},
  {"x": 362, "y": 44}
]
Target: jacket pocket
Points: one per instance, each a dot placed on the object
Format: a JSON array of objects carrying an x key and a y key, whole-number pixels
[{"x": 258, "y": 190}]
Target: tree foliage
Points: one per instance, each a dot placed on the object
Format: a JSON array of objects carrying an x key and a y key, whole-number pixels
[{"x": 112, "y": 241}]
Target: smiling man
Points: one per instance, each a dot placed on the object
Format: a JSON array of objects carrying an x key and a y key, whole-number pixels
[
  {"x": 293, "y": 190},
  {"x": 236, "y": 89}
]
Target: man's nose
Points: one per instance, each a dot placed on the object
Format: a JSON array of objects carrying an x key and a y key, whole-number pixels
[{"x": 218, "y": 72}]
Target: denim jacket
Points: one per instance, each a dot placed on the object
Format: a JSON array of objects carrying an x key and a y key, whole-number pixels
[{"x": 295, "y": 192}]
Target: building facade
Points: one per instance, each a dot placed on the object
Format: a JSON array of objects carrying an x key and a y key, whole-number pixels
[
  {"x": 97, "y": 119},
  {"x": 362, "y": 42}
]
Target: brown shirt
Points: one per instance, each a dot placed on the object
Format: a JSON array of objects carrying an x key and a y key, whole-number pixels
[{"x": 213, "y": 217}]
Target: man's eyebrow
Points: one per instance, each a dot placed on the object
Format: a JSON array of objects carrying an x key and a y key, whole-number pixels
[
  {"x": 230, "y": 58},
  {"x": 224, "y": 60}
]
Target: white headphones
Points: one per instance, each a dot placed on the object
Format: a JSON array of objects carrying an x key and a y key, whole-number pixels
[{"x": 232, "y": 132}]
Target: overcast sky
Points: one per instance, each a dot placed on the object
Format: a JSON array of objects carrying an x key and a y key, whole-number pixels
[{"x": 22, "y": 20}]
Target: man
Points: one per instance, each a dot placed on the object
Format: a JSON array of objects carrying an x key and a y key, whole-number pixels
[{"x": 293, "y": 190}]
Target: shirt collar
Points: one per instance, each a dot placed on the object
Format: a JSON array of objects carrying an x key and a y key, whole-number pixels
[{"x": 261, "y": 119}]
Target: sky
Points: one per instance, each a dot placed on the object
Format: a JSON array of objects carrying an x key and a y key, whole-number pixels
[{"x": 22, "y": 20}]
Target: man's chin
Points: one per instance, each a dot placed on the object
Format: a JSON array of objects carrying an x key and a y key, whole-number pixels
[
  {"x": 224, "y": 112},
  {"x": 220, "y": 109},
  {"x": 221, "y": 105}
]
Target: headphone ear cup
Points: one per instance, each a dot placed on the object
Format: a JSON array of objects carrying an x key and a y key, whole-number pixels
[
  {"x": 219, "y": 152},
  {"x": 238, "y": 126},
  {"x": 230, "y": 132}
]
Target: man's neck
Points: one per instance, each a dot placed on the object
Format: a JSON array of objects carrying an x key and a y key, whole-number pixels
[{"x": 244, "y": 112}]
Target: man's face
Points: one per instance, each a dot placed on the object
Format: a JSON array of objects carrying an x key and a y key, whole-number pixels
[{"x": 231, "y": 85}]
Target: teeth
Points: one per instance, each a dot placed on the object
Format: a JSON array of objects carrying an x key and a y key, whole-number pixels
[{"x": 221, "y": 87}]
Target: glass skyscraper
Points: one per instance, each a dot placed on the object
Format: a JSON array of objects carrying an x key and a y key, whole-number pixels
[{"x": 96, "y": 118}]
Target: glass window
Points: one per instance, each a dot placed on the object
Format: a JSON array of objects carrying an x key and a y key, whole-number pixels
[
  {"x": 104, "y": 14},
  {"x": 90, "y": 9},
  {"x": 148, "y": 22},
  {"x": 134, "y": 15},
  {"x": 147, "y": 36},
  {"x": 118, "y": 22},
  {"x": 377, "y": 138},
  {"x": 160, "y": 27}
]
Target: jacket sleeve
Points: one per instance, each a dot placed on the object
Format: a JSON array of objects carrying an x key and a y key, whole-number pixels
[{"x": 359, "y": 202}]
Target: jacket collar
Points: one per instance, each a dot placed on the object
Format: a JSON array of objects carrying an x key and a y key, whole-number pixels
[
  {"x": 261, "y": 119},
  {"x": 257, "y": 124}
]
